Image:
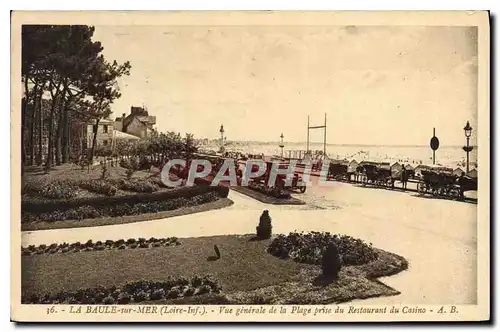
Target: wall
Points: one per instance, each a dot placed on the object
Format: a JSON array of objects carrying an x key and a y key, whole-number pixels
[
  {"x": 137, "y": 128},
  {"x": 101, "y": 135}
]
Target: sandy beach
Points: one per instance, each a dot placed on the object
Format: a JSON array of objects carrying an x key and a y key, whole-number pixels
[{"x": 438, "y": 237}]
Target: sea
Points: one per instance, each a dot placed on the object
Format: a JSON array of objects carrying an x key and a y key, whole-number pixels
[{"x": 449, "y": 156}]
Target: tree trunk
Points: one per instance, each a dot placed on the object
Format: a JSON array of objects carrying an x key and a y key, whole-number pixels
[
  {"x": 24, "y": 107},
  {"x": 40, "y": 129},
  {"x": 60, "y": 125},
  {"x": 66, "y": 151},
  {"x": 23, "y": 148},
  {"x": 94, "y": 140},
  {"x": 50, "y": 147},
  {"x": 33, "y": 124}
]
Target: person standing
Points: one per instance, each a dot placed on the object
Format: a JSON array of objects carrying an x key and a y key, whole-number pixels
[{"x": 404, "y": 177}]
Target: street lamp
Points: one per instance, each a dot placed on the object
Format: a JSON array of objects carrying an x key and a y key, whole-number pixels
[
  {"x": 221, "y": 131},
  {"x": 468, "y": 148},
  {"x": 281, "y": 144}
]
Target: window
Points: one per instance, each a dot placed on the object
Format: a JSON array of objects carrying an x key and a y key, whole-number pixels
[
  {"x": 105, "y": 128},
  {"x": 105, "y": 142}
]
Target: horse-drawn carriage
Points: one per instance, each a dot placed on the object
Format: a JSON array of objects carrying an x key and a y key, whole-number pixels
[
  {"x": 339, "y": 170},
  {"x": 441, "y": 182},
  {"x": 377, "y": 174}
]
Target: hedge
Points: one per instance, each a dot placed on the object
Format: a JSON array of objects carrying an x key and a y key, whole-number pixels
[
  {"x": 97, "y": 202},
  {"x": 132, "y": 292}
]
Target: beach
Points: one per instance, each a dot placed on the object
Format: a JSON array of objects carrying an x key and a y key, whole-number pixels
[{"x": 449, "y": 156}]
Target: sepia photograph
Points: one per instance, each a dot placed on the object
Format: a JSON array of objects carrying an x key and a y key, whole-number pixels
[{"x": 250, "y": 166}]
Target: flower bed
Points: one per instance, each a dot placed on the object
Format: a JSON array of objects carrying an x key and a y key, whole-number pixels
[
  {"x": 99, "y": 187},
  {"x": 120, "y": 209},
  {"x": 99, "y": 246},
  {"x": 134, "y": 292},
  {"x": 100, "y": 202},
  {"x": 137, "y": 185},
  {"x": 309, "y": 248},
  {"x": 58, "y": 189}
]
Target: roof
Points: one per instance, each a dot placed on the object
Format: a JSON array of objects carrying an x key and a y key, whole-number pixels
[{"x": 122, "y": 135}]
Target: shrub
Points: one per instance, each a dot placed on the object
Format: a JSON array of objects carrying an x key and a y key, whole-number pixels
[
  {"x": 173, "y": 293},
  {"x": 264, "y": 230},
  {"x": 158, "y": 294},
  {"x": 123, "y": 298},
  {"x": 114, "y": 210},
  {"x": 331, "y": 261},
  {"x": 189, "y": 291},
  {"x": 99, "y": 187},
  {"x": 140, "y": 296},
  {"x": 109, "y": 300},
  {"x": 104, "y": 171},
  {"x": 204, "y": 289},
  {"x": 138, "y": 291},
  {"x": 58, "y": 189},
  {"x": 309, "y": 248}
]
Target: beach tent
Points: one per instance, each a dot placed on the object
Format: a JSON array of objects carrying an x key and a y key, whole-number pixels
[
  {"x": 396, "y": 167},
  {"x": 458, "y": 171},
  {"x": 409, "y": 167},
  {"x": 353, "y": 165},
  {"x": 473, "y": 173}
]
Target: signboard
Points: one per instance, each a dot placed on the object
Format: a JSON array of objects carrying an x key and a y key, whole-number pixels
[{"x": 434, "y": 143}]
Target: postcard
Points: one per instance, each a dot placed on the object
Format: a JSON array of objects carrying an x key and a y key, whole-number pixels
[{"x": 260, "y": 166}]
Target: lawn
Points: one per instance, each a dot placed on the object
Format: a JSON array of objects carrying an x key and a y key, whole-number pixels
[{"x": 245, "y": 272}]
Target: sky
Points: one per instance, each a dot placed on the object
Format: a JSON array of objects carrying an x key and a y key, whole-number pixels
[{"x": 378, "y": 84}]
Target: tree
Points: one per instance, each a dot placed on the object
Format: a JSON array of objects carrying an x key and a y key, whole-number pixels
[{"x": 64, "y": 62}]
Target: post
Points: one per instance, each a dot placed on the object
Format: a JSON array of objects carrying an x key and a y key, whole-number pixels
[
  {"x": 468, "y": 150},
  {"x": 433, "y": 151},
  {"x": 307, "y": 146},
  {"x": 324, "y": 141}
]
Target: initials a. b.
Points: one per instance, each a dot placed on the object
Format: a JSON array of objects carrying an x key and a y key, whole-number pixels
[{"x": 453, "y": 310}]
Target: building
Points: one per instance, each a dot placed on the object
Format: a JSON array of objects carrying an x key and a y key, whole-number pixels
[
  {"x": 138, "y": 123},
  {"x": 104, "y": 133}
]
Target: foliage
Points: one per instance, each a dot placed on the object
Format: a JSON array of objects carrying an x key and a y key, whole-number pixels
[
  {"x": 264, "y": 229},
  {"x": 132, "y": 292},
  {"x": 137, "y": 185},
  {"x": 99, "y": 187},
  {"x": 65, "y": 62},
  {"x": 118, "y": 210},
  {"x": 310, "y": 247},
  {"x": 57, "y": 189},
  {"x": 331, "y": 261}
]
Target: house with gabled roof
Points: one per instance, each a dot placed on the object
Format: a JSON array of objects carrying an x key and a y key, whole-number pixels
[{"x": 138, "y": 123}]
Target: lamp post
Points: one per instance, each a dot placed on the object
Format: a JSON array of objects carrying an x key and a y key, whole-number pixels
[
  {"x": 281, "y": 144},
  {"x": 467, "y": 148},
  {"x": 221, "y": 131}
]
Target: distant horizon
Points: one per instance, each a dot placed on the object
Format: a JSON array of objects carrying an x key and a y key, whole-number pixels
[{"x": 339, "y": 144}]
